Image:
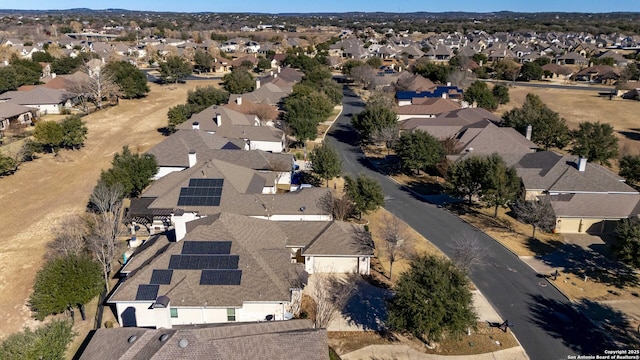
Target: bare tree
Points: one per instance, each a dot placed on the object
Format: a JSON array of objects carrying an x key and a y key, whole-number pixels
[
  {"x": 106, "y": 198},
  {"x": 104, "y": 226},
  {"x": 69, "y": 235},
  {"x": 297, "y": 279},
  {"x": 339, "y": 206},
  {"x": 388, "y": 135},
  {"x": 330, "y": 293},
  {"x": 395, "y": 234},
  {"x": 97, "y": 85},
  {"x": 467, "y": 250},
  {"x": 539, "y": 214},
  {"x": 364, "y": 75}
]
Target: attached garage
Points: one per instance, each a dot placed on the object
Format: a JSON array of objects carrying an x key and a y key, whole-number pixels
[
  {"x": 585, "y": 225},
  {"x": 337, "y": 264}
]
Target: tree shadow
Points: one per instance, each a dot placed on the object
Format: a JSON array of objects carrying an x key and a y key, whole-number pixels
[
  {"x": 631, "y": 135},
  {"x": 583, "y": 262},
  {"x": 367, "y": 307},
  {"x": 567, "y": 321},
  {"x": 165, "y": 131}
]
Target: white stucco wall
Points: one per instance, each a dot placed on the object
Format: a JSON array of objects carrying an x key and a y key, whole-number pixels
[
  {"x": 46, "y": 109},
  {"x": 166, "y": 170},
  {"x": 136, "y": 313},
  {"x": 422, "y": 116},
  {"x": 180, "y": 223},
  {"x": 337, "y": 264},
  {"x": 271, "y": 146},
  {"x": 297, "y": 217},
  {"x": 258, "y": 311}
]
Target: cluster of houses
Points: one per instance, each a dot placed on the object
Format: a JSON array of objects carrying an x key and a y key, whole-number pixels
[
  {"x": 586, "y": 197},
  {"x": 227, "y": 236}
]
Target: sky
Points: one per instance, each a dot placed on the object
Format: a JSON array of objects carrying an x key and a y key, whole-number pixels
[{"x": 305, "y": 6}]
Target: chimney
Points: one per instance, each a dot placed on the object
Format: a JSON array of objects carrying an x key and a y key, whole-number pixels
[
  {"x": 193, "y": 159},
  {"x": 195, "y": 125},
  {"x": 582, "y": 163},
  {"x": 258, "y": 83},
  {"x": 239, "y": 100},
  {"x": 449, "y": 83},
  {"x": 444, "y": 95},
  {"x": 218, "y": 119},
  {"x": 270, "y": 72},
  {"x": 53, "y": 75},
  {"x": 275, "y": 76},
  {"x": 279, "y": 68},
  {"x": 529, "y": 131}
]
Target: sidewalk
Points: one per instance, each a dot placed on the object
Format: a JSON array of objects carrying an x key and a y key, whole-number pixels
[{"x": 403, "y": 352}]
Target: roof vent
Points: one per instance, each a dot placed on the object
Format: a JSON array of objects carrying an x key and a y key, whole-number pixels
[
  {"x": 183, "y": 343},
  {"x": 132, "y": 338},
  {"x": 164, "y": 337}
]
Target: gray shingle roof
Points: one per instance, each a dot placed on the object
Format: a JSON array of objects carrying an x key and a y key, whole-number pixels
[
  {"x": 549, "y": 171},
  {"x": 286, "y": 340},
  {"x": 234, "y": 197},
  {"x": 174, "y": 150},
  {"x": 40, "y": 96},
  {"x": 612, "y": 206}
]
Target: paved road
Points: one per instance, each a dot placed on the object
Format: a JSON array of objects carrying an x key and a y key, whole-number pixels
[
  {"x": 556, "y": 86},
  {"x": 544, "y": 321}
]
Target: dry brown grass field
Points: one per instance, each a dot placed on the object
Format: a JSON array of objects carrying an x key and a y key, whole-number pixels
[
  {"x": 41, "y": 192},
  {"x": 578, "y": 105}
]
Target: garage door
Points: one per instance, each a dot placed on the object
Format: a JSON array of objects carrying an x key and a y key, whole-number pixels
[{"x": 335, "y": 264}]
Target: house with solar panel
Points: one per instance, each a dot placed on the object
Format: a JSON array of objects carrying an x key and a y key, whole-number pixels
[
  {"x": 214, "y": 186},
  {"x": 232, "y": 124},
  {"x": 233, "y": 268},
  {"x": 185, "y": 148}
]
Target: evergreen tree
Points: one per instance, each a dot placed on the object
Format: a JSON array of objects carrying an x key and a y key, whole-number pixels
[
  {"x": 630, "y": 168},
  {"x": 65, "y": 282},
  {"x": 325, "y": 162},
  {"x": 502, "y": 183},
  {"x": 47, "y": 342},
  {"x": 131, "y": 81},
  {"x": 432, "y": 299},
  {"x": 238, "y": 81},
  {"x": 549, "y": 129},
  {"x": 539, "y": 214},
  {"x": 419, "y": 150},
  {"x": 174, "y": 69},
  {"x": 372, "y": 119},
  {"x": 595, "y": 141},
  {"x": 627, "y": 247},
  {"x": 468, "y": 177},
  {"x": 365, "y": 193},
  {"x": 50, "y": 134},
  {"x": 74, "y": 132},
  {"x": 133, "y": 172}
]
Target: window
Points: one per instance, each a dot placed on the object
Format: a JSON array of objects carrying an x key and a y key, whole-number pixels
[
  {"x": 174, "y": 312},
  {"x": 231, "y": 314}
]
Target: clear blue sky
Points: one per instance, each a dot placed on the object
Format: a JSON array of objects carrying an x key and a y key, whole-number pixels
[{"x": 279, "y": 6}]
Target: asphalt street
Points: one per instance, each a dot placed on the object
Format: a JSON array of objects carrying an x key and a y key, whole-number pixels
[{"x": 544, "y": 321}]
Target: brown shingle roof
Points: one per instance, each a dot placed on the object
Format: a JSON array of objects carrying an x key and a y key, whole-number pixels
[
  {"x": 276, "y": 340},
  {"x": 428, "y": 106}
]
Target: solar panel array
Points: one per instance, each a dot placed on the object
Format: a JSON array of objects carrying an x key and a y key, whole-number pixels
[
  {"x": 161, "y": 277},
  {"x": 147, "y": 292},
  {"x": 202, "y": 262},
  {"x": 201, "y": 192},
  {"x": 206, "y": 182},
  {"x": 206, "y": 247},
  {"x": 220, "y": 277}
]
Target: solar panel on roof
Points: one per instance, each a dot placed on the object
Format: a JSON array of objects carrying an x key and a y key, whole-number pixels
[
  {"x": 202, "y": 262},
  {"x": 206, "y": 247},
  {"x": 201, "y": 192},
  {"x": 162, "y": 277},
  {"x": 147, "y": 292},
  {"x": 220, "y": 277}
]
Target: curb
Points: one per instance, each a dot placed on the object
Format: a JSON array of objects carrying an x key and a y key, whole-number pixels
[{"x": 333, "y": 122}]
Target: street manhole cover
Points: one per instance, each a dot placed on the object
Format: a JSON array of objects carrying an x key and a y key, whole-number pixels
[{"x": 543, "y": 284}]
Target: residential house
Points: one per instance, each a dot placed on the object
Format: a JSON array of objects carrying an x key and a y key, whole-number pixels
[
  {"x": 169, "y": 201},
  {"x": 441, "y": 91},
  {"x": 556, "y": 70},
  {"x": 14, "y": 115},
  {"x": 597, "y": 74},
  {"x": 585, "y": 197},
  {"x": 426, "y": 108},
  {"x": 618, "y": 59},
  {"x": 42, "y": 99},
  {"x": 572, "y": 58},
  {"x": 231, "y": 267},
  {"x": 476, "y": 133},
  {"x": 231, "y": 124},
  {"x": 273, "y": 340}
]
